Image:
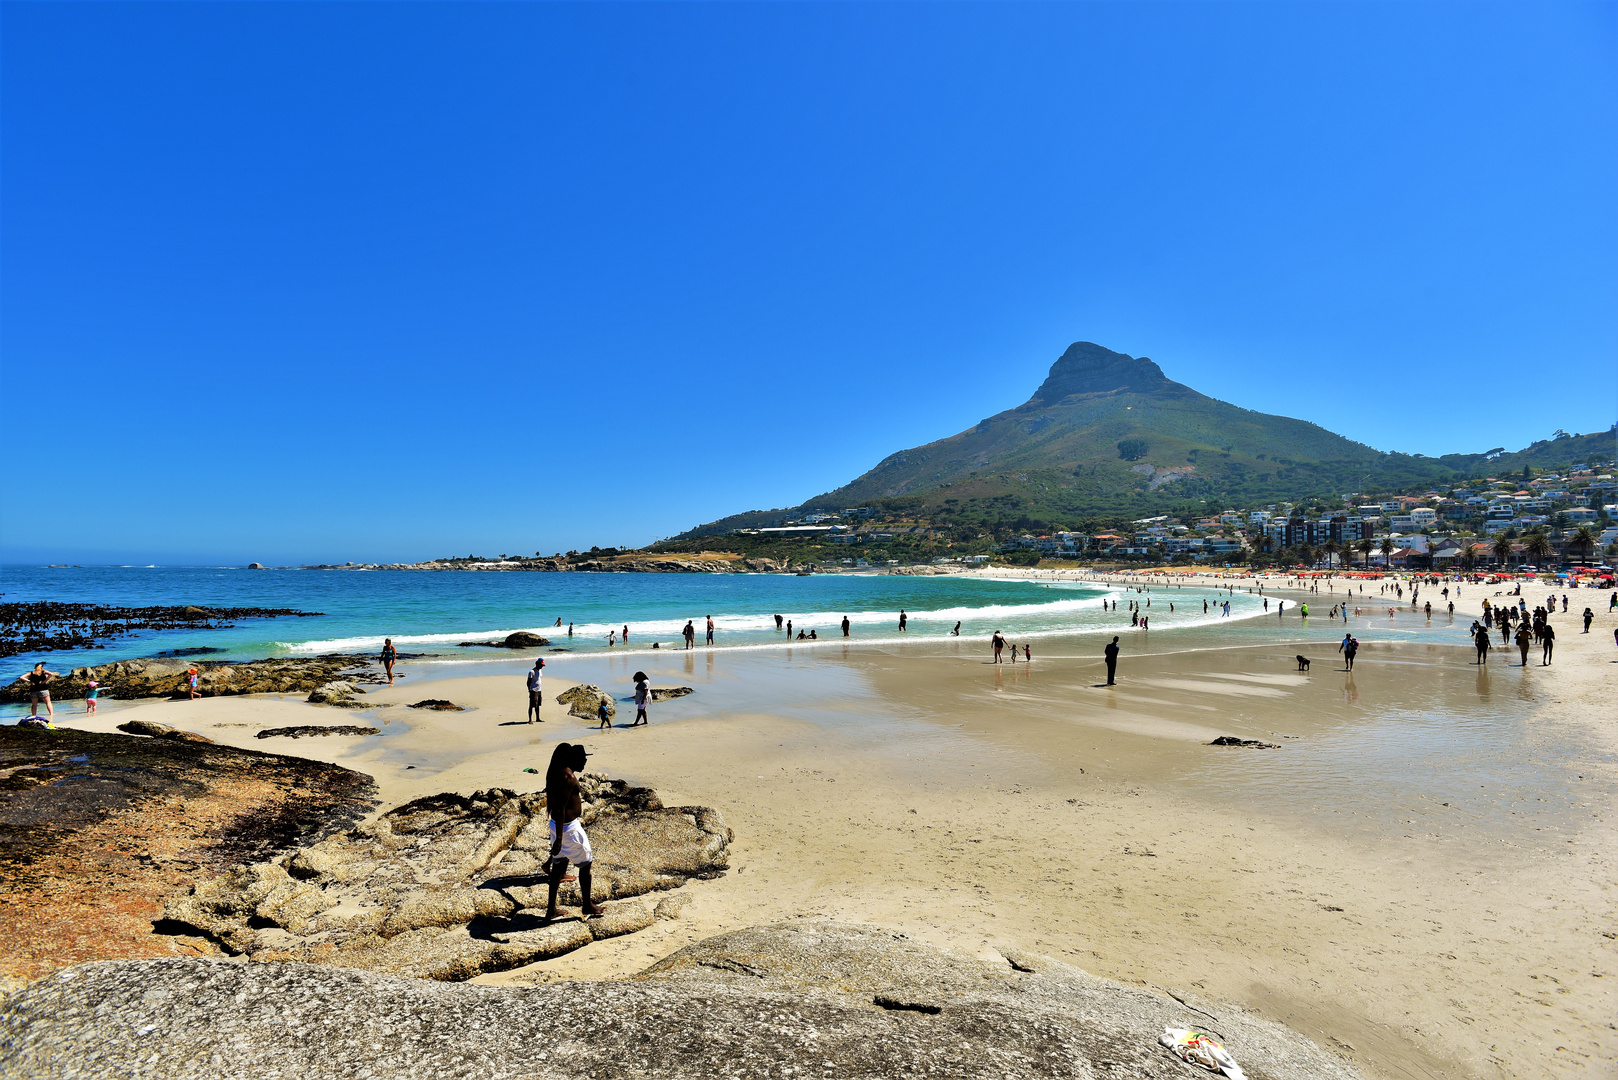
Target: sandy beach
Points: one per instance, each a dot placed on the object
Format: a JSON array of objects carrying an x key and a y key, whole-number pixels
[{"x": 1419, "y": 876}]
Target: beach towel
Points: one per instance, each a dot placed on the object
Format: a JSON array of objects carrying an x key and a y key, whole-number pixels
[{"x": 1198, "y": 1048}]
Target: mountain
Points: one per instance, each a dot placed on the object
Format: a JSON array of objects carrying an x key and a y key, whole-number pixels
[{"x": 1108, "y": 434}]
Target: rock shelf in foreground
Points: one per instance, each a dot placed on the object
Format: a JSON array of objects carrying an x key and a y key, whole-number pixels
[
  {"x": 796, "y": 999},
  {"x": 450, "y": 886},
  {"x": 96, "y": 830}
]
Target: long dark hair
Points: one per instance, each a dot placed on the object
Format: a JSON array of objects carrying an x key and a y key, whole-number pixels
[{"x": 561, "y": 758}]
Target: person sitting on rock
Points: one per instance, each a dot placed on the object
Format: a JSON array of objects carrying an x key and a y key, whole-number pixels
[{"x": 569, "y": 843}]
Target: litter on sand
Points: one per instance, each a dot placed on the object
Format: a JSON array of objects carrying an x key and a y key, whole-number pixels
[{"x": 1199, "y": 1048}]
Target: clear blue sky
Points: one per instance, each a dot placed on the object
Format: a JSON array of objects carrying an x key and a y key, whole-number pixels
[{"x": 319, "y": 281}]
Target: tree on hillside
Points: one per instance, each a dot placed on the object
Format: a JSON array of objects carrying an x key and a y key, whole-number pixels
[
  {"x": 1365, "y": 546},
  {"x": 1133, "y": 449},
  {"x": 1387, "y": 548},
  {"x": 1583, "y": 541},
  {"x": 1501, "y": 548},
  {"x": 1539, "y": 546}
]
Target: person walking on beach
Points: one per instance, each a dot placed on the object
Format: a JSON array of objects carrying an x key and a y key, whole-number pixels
[
  {"x": 1589, "y": 617},
  {"x": 39, "y": 689},
  {"x": 845, "y": 625},
  {"x": 1548, "y": 640},
  {"x": 91, "y": 690},
  {"x": 710, "y": 629},
  {"x": 1111, "y": 653},
  {"x": 904, "y": 620},
  {"x": 1524, "y": 640},
  {"x": 191, "y": 677},
  {"x": 643, "y": 695},
  {"x": 999, "y": 643},
  {"x": 690, "y": 634},
  {"x": 569, "y": 843},
  {"x": 1481, "y": 640},
  {"x": 1027, "y": 654},
  {"x": 626, "y": 633},
  {"x": 536, "y": 690},
  {"x": 389, "y": 655},
  {"x": 957, "y": 631}
]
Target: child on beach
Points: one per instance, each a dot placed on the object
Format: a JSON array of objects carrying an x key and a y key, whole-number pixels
[
  {"x": 90, "y": 692},
  {"x": 191, "y": 683},
  {"x": 643, "y": 695}
]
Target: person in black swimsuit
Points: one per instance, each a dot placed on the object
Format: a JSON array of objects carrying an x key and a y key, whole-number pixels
[
  {"x": 39, "y": 682},
  {"x": 389, "y": 655}
]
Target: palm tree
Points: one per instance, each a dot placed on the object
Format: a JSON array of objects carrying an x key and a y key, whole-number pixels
[
  {"x": 1584, "y": 541},
  {"x": 1469, "y": 558},
  {"x": 1501, "y": 548},
  {"x": 1365, "y": 545},
  {"x": 1539, "y": 546},
  {"x": 1387, "y": 548},
  {"x": 1329, "y": 548}
]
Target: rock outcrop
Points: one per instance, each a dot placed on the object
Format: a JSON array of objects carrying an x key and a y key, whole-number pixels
[
  {"x": 522, "y": 639},
  {"x": 450, "y": 886},
  {"x": 440, "y": 704},
  {"x": 339, "y": 692},
  {"x": 165, "y": 677},
  {"x": 668, "y": 693},
  {"x": 303, "y": 731},
  {"x": 43, "y": 625},
  {"x": 155, "y": 730},
  {"x": 585, "y": 701},
  {"x": 97, "y": 829},
  {"x": 789, "y": 1000}
]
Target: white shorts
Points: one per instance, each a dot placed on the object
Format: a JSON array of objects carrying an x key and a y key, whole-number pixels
[{"x": 575, "y": 844}]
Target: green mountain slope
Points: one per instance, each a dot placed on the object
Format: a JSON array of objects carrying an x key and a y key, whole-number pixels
[{"x": 1108, "y": 434}]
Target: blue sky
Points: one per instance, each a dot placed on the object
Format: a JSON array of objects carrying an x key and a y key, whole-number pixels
[{"x": 323, "y": 281}]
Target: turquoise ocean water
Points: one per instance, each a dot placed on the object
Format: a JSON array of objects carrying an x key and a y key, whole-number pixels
[{"x": 433, "y": 612}]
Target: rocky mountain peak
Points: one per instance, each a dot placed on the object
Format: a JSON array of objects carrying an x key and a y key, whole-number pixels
[{"x": 1088, "y": 368}]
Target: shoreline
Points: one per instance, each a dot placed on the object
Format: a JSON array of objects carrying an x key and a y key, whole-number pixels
[{"x": 982, "y": 809}]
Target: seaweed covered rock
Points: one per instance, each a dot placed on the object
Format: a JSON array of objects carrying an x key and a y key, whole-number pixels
[
  {"x": 451, "y": 885},
  {"x": 97, "y": 829}
]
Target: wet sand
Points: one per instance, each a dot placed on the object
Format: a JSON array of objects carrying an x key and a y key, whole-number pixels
[{"x": 1420, "y": 876}]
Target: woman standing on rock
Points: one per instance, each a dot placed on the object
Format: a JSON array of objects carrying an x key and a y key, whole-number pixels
[
  {"x": 39, "y": 682},
  {"x": 389, "y": 655}
]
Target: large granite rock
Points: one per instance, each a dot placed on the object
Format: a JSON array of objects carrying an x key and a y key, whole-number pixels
[
  {"x": 97, "y": 829},
  {"x": 585, "y": 701},
  {"x": 450, "y": 886},
  {"x": 166, "y": 677},
  {"x": 791, "y": 1000}
]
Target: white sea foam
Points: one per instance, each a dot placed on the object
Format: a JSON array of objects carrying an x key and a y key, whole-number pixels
[{"x": 1057, "y": 617}]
